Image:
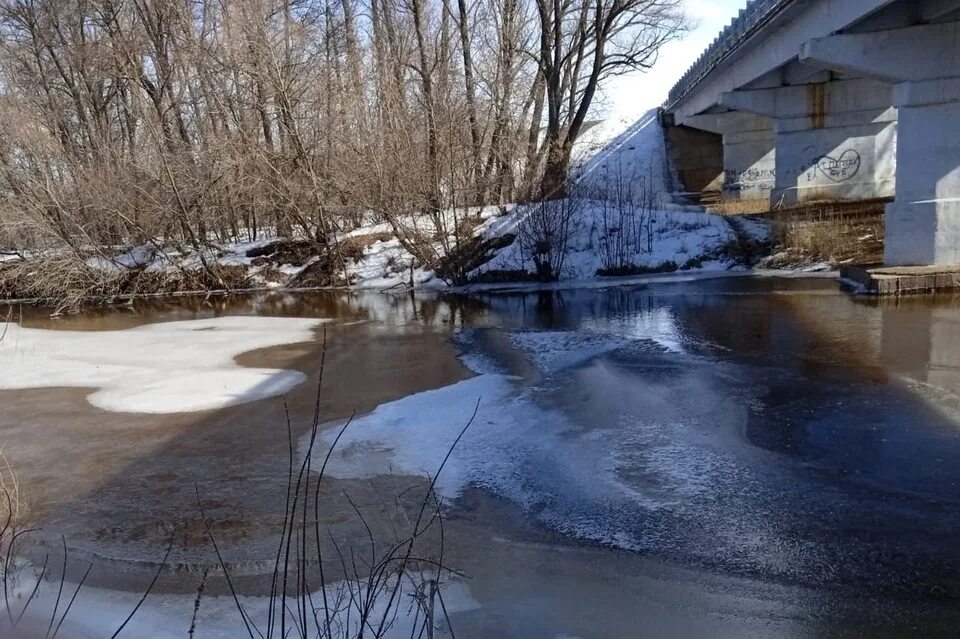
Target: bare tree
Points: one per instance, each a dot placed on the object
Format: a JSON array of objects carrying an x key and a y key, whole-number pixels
[
  {"x": 176, "y": 125},
  {"x": 582, "y": 43}
]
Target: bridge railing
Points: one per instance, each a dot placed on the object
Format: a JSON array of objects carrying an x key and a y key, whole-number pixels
[{"x": 755, "y": 14}]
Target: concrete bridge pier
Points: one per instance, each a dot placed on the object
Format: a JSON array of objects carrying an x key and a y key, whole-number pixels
[
  {"x": 923, "y": 223},
  {"x": 749, "y": 155},
  {"x": 835, "y": 139}
]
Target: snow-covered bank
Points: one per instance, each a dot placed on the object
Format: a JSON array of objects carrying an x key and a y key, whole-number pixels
[
  {"x": 622, "y": 218},
  {"x": 159, "y": 368},
  {"x": 678, "y": 240}
]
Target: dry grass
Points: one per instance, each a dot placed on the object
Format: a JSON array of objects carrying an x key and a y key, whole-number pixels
[
  {"x": 12, "y": 505},
  {"x": 13, "y": 515},
  {"x": 13, "y": 508},
  {"x": 833, "y": 232},
  {"x": 740, "y": 207}
]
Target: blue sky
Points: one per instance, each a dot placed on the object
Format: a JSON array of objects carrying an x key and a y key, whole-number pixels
[{"x": 631, "y": 95}]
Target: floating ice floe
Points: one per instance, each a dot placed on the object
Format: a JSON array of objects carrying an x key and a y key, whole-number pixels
[{"x": 169, "y": 367}]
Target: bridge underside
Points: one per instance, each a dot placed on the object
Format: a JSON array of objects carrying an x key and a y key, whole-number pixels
[{"x": 867, "y": 110}]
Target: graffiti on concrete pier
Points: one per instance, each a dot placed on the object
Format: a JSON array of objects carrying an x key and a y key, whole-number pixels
[{"x": 836, "y": 168}]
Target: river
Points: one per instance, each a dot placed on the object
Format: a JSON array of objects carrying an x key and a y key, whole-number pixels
[{"x": 730, "y": 457}]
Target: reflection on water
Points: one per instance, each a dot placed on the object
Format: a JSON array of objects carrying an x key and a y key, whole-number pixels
[
  {"x": 398, "y": 311},
  {"x": 785, "y": 436},
  {"x": 921, "y": 340}
]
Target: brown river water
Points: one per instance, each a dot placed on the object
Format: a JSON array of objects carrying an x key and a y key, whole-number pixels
[{"x": 720, "y": 458}]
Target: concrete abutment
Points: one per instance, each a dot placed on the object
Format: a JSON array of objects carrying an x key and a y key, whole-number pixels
[
  {"x": 748, "y": 153},
  {"x": 698, "y": 159}
]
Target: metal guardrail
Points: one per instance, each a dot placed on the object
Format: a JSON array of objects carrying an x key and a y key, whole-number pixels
[{"x": 756, "y": 13}]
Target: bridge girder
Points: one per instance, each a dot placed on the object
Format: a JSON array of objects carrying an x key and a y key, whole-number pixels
[{"x": 920, "y": 52}]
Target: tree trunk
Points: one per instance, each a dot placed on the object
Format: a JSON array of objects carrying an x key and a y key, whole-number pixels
[{"x": 557, "y": 169}]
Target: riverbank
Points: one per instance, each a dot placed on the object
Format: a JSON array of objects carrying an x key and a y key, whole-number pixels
[
  {"x": 621, "y": 218},
  {"x": 624, "y": 217}
]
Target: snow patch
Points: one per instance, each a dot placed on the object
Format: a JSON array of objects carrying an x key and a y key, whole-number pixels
[
  {"x": 613, "y": 170},
  {"x": 677, "y": 237},
  {"x": 159, "y": 368},
  {"x": 411, "y": 436}
]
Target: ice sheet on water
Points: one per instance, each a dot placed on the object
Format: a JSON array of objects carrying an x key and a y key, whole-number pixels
[
  {"x": 657, "y": 325},
  {"x": 471, "y": 354},
  {"x": 599, "y": 473},
  {"x": 159, "y": 368},
  {"x": 514, "y": 448},
  {"x": 553, "y": 351},
  {"x": 411, "y": 436}
]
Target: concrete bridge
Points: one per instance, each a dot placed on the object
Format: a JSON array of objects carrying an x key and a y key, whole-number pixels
[{"x": 804, "y": 100}]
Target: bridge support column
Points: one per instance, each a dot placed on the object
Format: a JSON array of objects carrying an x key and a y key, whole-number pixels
[
  {"x": 923, "y": 222},
  {"x": 748, "y": 152},
  {"x": 835, "y": 140}
]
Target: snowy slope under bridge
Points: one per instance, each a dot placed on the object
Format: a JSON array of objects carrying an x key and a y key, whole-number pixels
[{"x": 624, "y": 219}]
